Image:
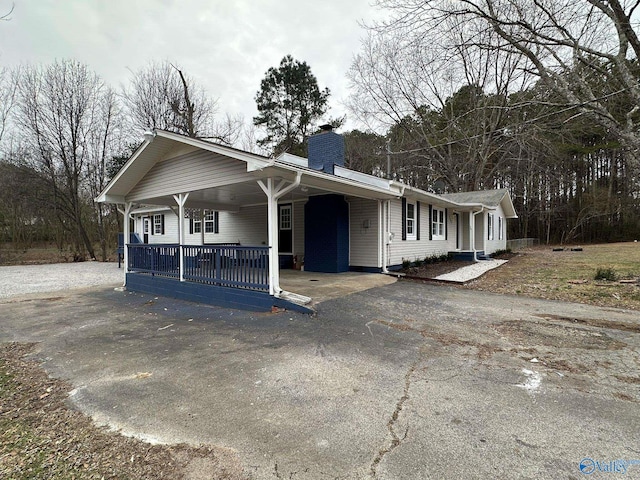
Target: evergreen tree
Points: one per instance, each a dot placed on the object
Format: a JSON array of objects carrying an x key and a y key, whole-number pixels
[{"x": 289, "y": 103}]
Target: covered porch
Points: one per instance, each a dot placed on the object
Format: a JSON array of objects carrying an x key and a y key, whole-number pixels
[{"x": 256, "y": 200}]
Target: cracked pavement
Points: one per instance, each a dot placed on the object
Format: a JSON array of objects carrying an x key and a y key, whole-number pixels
[{"x": 406, "y": 381}]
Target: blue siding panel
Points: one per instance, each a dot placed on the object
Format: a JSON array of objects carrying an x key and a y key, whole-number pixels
[
  {"x": 326, "y": 234},
  {"x": 209, "y": 294}
]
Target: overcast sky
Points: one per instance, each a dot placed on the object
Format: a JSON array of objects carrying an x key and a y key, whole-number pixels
[{"x": 226, "y": 45}]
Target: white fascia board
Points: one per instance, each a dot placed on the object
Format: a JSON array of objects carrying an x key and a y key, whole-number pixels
[
  {"x": 104, "y": 197},
  {"x": 293, "y": 160},
  {"x": 362, "y": 177},
  {"x": 358, "y": 189}
]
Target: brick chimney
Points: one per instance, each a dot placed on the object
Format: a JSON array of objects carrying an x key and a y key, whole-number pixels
[{"x": 326, "y": 149}]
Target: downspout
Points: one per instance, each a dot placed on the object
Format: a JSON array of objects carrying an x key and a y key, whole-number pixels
[
  {"x": 387, "y": 236},
  {"x": 473, "y": 236}
]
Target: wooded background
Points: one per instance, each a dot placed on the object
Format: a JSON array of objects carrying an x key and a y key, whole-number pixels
[{"x": 542, "y": 98}]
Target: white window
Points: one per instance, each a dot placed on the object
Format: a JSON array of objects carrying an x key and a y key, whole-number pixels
[
  {"x": 209, "y": 221},
  {"x": 146, "y": 226},
  {"x": 197, "y": 226},
  {"x": 158, "y": 224},
  {"x": 437, "y": 224},
  {"x": 285, "y": 217},
  {"x": 490, "y": 226},
  {"x": 500, "y": 228},
  {"x": 411, "y": 221}
]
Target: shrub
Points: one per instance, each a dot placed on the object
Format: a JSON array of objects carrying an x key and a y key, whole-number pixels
[{"x": 608, "y": 274}]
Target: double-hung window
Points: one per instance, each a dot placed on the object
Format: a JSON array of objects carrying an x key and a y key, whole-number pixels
[
  {"x": 158, "y": 224},
  {"x": 209, "y": 221},
  {"x": 197, "y": 225},
  {"x": 411, "y": 221},
  {"x": 500, "y": 228},
  {"x": 437, "y": 224}
]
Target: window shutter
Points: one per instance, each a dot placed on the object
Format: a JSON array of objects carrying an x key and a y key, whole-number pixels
[
  {"x": 430, "y": 222},
  {"x": 489, "y": 226},
  {"x": 216, "y": 222},
  {"x": 404, "y": 218},
  {"x": 417, "y": 220},
  {"x": 191, "y": 226},
  {"x": 446, "y": 223},
  {"x": 162, "y": 224}
]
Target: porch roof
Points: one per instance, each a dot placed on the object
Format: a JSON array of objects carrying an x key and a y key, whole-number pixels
[
  {"x": 486, "y": 198},
  {"x": 245, "y": 191}
]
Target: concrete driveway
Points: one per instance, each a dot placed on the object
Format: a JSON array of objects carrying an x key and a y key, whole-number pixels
[{"x": 405, "y": 381}]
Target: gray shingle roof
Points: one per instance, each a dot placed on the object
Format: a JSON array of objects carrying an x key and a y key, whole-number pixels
[{"x": 489, "y": 198}]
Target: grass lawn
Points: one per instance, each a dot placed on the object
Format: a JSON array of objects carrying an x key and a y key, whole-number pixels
[{"x": 569, "y": 275}]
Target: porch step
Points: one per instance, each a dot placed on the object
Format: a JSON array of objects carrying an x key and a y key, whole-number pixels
[{"x": 468, "y": 256}]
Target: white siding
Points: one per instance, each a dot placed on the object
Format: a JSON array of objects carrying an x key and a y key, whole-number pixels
[
  {"x": 411, "y": 250},
  {"x": 189, "y": 172},
  {"x": 170, "y": 227},
  {"x": 496, "y": 243},
  {"x": 363, "y": 233},
  {"x": 247, "y": 227}
]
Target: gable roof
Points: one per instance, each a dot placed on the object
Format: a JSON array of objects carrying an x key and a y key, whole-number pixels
[
  {"x": 343, "y": 180},
  {"x": 487, "y": 198}
]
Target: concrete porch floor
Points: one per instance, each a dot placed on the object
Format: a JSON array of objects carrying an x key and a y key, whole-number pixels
[{"x": 326, "y": 286}]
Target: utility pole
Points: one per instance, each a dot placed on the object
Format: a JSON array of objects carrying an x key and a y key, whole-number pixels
[{"x": 389, "y": 158}]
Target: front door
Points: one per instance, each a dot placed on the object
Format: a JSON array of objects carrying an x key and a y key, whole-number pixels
[
  {"x": 285, "y": 229},
  {"x": 146, "y": 227}
]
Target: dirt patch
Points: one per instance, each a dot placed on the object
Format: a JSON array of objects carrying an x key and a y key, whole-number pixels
[
  {"x": 429, "y": 271},
  {"x": 43, "y": 438},
  {"x": 625, "y": 327},
  {"x": 557, "y": 336},
  {"x": 484, "y": 351}
]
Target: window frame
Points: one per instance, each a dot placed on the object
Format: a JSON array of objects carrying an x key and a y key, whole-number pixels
[
  {"x": 438, "y": 223},
  {"x": 500, "y": 228},
  {"x": 288, "y": 217},
  {"x": 411, "y": 221},
  {"x": 157, "y": 224},
  {"x": 209, "y": 219}
]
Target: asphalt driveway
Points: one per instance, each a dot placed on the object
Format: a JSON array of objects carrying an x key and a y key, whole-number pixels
[{"x": 406, "y": 381}]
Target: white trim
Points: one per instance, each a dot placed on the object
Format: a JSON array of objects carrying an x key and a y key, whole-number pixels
[{"x": 438, "y": 223}]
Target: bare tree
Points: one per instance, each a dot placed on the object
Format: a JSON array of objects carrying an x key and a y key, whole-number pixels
[
  {"x": 564, "y": 42},
  {"x": 66, "y": 114},
  {"x": 162, "y": 96},
  {"x": 8, "y": 89},
  {"x": 443, "y": 96}
]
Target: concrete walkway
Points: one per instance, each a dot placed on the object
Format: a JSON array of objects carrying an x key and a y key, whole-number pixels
[{"x": 470, "y": 272}]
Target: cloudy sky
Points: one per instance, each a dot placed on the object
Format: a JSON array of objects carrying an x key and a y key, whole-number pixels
[{"x": 226, "y": 45}]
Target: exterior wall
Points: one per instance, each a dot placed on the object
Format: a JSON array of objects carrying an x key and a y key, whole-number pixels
[
  {"x": 496, "y": 243},
  {"x": 189, "y": 172},
  {"x": 364, "y": 233},
  {"x": 247, "y": 227},
  {"x": 411, "y": 250},
  {"x": 170, "y": 227}
]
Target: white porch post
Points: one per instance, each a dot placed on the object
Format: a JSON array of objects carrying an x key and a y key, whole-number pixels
[
  {"x": 181, "y": 199},
  {"x": 272, "y": 225},
  {"x": 126, "y": 233},
  {"x": 273, "y": 193}
]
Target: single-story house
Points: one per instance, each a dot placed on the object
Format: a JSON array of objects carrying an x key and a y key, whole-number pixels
[{"x": 216, "y": 224}]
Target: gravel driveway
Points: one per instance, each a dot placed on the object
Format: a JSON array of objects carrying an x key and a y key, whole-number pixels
[{"x": 27, "y": 279}]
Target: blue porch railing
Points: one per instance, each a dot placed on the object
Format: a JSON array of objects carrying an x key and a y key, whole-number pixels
[{"x": 223, "y": 265}]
